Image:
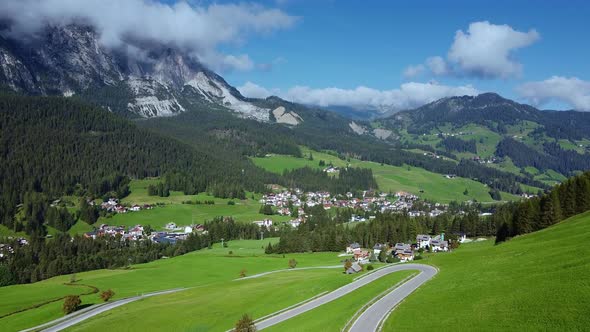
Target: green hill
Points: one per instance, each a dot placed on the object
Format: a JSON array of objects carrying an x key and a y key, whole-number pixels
[{"x": 536, "y": 282}]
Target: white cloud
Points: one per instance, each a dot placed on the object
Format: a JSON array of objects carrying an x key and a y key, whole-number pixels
[
  {"x": 485, "y": 50},
  {"x": 240, "y": 62},
  {"x": 572, "y": 91},
  {"x": 437, "y": 65},
  {"x": 414, "y": 71},
  {"x": 196, "y": 28},
  {"x": 408, "y": 95},
  {"x": 252, "y": 90}
]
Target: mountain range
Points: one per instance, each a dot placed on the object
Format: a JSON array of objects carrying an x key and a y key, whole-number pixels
[{"x": 178, "y": 96}]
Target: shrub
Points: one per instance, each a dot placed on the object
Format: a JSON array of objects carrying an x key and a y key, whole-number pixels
[
  {"x": 370, "y": 267},
  {"x": 107, "y": 295},
  {"x": 231, "y": 203},
  {"x": 73, "y": 278},
  {"x": 231, "y": 252},
  {"x": 292, "y": 263},
  {"x": 418, "y": 257},
  {"x": 245, "y": 324},
  {"x": 243, "y": 273},
  {"x": 71, "y": 303},
  {"x": 392, "y": 259}
]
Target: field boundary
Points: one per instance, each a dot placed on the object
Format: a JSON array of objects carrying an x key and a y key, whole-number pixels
[
  {"x": 287, "y": 308},
  {"x": 94, "y": 290}
]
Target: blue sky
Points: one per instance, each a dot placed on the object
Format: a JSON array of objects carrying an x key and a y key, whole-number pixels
[
  {"x": 346, "y": 44},
  {"x": 366, "y": 54}
]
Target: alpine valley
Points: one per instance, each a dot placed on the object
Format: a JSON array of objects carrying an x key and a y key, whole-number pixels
[{"x": 141, "y": 191}]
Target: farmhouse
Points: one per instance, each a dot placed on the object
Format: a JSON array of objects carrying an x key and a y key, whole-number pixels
[
  {"x": 423, "y": 241},
  {"x": 353, "y": 247},
  {"x": 354, "y": 268}
]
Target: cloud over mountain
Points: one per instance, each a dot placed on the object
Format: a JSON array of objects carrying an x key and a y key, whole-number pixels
[
  {"x": 195, "y": 28},
  {"x": 408, "y": 95},
  {"x": 570, "y": 90}
]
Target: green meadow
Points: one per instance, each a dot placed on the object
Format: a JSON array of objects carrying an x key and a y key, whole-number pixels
[
  {"x": 393, "y": 178},
  {"x": 535, "y": 282},
  {"x": 333, "y": 316},
  {"x": 171, "y": 209},
  {"x": 209, "y": 276}
]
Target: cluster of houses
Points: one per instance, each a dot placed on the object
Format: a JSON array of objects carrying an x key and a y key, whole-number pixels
[
  {"x": 402, "y": 251},
  {"x": 113, "y": 205},
  {"x": 7, "y": 249},
  {"x": 369, "y": 202},
  {"x": 490, "y": 160},
  {"x": 172, "y": 234}
]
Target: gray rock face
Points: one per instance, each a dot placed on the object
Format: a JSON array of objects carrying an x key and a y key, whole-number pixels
[{"x": 67, "y": 60}]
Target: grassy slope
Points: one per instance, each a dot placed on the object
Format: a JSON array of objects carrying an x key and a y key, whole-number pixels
[
  {"x": 537, "y": 282},
  {"x": 184, "y": 214},
  {"x": 392, "y": 178},
  {"x": 211, "y": 273},
  {"x": 338, "y": 312}
]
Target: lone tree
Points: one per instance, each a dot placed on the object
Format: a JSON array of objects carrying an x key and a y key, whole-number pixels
[
  {"x": 347, "y": 265},
  {"x": 71, "y": 303},
  {"x": 292, "y": 263},
  {"x": 245, "y": 324},
  {"x": 107, "y": 295}
]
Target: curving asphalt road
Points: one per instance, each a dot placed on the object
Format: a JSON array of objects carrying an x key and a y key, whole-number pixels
[
  {"x": 370, "y": 319},
  {"x": 75, "y": 319}
]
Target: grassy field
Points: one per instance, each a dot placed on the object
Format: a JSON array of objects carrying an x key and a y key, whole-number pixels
[
  {"x": 338, "y": 312},
  {"x": 392, "y": 178},
  {"x": 536, "y": 282},
  {"x": 209, "y": 273},
  {"x": 172, "y": 209}
]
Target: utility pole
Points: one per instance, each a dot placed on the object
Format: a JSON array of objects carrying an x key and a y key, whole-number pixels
[{"x": 261, "y": 235}]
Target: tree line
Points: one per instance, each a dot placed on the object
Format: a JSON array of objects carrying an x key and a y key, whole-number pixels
[
  {"x": 563, "y": 201},
  {"x": 324, "y": 233},
  {"x": 45, "y": 258}
]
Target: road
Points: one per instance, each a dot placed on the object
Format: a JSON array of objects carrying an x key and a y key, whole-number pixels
[
  {"x": 369, "y": 320},
  {"x": 77, "y": 318}
]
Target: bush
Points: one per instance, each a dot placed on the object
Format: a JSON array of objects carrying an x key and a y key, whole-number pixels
[
  {"x": 107, "y": 295},
  {"x": 71, "y": 303},
  {"x": 245, "y": 324},
  {"x": 292, "y": 263},
  {"x": 243, "y": 273},
  {"x": 370, "y": 267},
  {"x": 392, "y": 259},
  {"x": 231, "y": 252},
  {"x": 418, "y": 257},
  {"x": 231, "y": 203}
]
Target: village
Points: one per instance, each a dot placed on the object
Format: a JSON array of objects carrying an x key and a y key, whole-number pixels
[
  {"x": 398, "y": 252},
  {"x": 292, "y": 203}
]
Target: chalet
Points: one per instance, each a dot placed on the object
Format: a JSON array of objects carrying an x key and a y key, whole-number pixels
[
  {"x": 405, "y": 255},
  {"x": 353, "y": 247},
  {"x": 439, "y": 245},
  {"x": 188, "y": 229},
  {"x": 423, "y": 241},
  {"x": 91, "y": 235},
  {"x": 263, "y": 223},
  {"x": 135, "y": 208},
  {"x": 361, "y": 255},
  {"x": 136, "y": 231},
  {"x": 171, "y": 226},
  {"x": 295, "y": 223},
  {"x": 377, "y": 248},
  {"x": 354, "y": 268},
  {"x": 199, "y": 228}
]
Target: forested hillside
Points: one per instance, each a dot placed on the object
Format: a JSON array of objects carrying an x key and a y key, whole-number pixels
[
  {"x": 568, "y": 199},
  {"x": 55, "y": 146}
]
